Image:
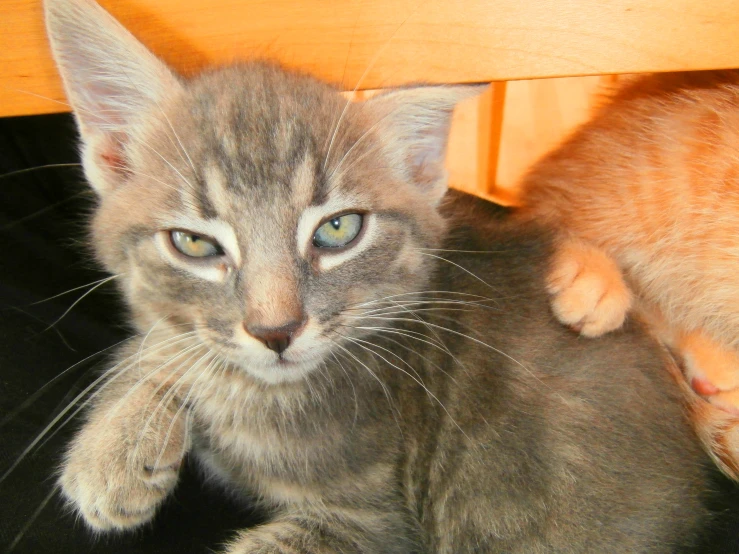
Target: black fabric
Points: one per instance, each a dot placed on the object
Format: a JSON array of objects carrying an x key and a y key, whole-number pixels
[{"x": 42, "y": 231}]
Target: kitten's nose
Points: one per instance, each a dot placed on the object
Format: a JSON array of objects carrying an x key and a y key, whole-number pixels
[{"x": 275, "y": 338}]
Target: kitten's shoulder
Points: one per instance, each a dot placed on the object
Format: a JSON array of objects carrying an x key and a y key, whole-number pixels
[{"x": 477, "y": 225}]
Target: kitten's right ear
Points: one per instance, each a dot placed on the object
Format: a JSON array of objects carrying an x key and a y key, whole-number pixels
[
  {"x": 413, "y": 125},
  {"x": 112, "y": 81}
]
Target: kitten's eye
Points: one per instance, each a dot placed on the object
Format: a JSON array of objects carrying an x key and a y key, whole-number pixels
[
  {"x": 195, "y": 246},
  {"x": 338, "y": 231}
]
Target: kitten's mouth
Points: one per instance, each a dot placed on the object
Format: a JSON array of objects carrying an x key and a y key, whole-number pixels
[
  {"x": 284, "y": 368},
  {"x": 285, "y": 362}
]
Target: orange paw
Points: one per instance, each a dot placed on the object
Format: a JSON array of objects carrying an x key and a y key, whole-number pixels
[
  {"x": 718, "y": 429},
  {"x": 711, "y": 370},
  {"x": 588, "y": 290}
]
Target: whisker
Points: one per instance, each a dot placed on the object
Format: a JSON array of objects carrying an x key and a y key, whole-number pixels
[
  {"x": 373, "y": 61},
  {"x": 415, "y": 293},
  {"x": 351, "y": 384},
  {"x": 442, "y": 328},
  {"x": 443, "y": 348},
  {"x": 114, "y": 126},
  {"x": 460, "y": 267},
  {"x": 394, "y": 305},
  {"x": 37, "y": 318},
  {"x": 100, "y": 284},
  {"x": 424, "y": 358},
  {"x": 87, "y": 401},
  {"x": 383, "y": 385},
  {"x": 184, "y": 403},
  {"x": 360, "y": 342},
  {"x": 423, "y": 322},
  {"x": 463, "y": 251},
  {"x": 103, "y": 280},
  {"x": 53, "y": 380},
  {"x": 416, "y": 379},
  {"x": 411, "y": 334},
  {"x": 151, "y": 373},
  {"x": 168, "y": 395},
  {"x": 31, "y": 520},
  {"x": 60, "y": 415},
  {"x": 42, "y": 211},
  {"x": 177, "y": 137},
  {"x": 146, "y": 337},
  {"x": 401, "y": 311},
  {"x": 17, "y": 172},
  {"x": 356, "y": 143}
]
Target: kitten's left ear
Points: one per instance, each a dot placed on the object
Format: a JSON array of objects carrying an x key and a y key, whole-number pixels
[
  {"x": 112, "y": 82},
  {"x": 413, "y": 127}
]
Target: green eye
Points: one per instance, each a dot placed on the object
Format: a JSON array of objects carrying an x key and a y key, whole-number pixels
[
  {"x": 338, "y": 231},
  {"x": 194, "y": 246}
]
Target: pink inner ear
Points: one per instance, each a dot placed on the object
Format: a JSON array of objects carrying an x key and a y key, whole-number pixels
[
  {"x": 426, "y": 167},
  {"x": 427, "y": 155},
  {"x": 111, "y": 157}
]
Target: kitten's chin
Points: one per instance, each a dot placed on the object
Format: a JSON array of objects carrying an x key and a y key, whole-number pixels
[{"x": 282, "y": 371}]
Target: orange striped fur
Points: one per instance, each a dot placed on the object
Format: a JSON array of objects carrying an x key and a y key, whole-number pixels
[{"x": 651, "y": 183}]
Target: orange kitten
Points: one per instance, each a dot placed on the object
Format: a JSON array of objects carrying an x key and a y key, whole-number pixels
[{"x": 646, "y": 196}]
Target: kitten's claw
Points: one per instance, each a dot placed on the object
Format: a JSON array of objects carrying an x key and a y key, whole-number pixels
[{"x": 588, "y": 290}]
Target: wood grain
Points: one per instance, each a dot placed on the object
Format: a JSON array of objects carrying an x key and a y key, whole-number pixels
[
  {"x": 376, "y": 43},
  {"x": 537, "y": 116}
]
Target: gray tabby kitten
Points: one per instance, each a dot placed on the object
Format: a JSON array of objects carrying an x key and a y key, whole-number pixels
[{"x": 326, "y": 329}]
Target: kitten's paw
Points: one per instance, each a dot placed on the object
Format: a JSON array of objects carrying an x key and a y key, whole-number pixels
[
  {"x": 588, "y": 290},
  {"x": 719, "y": 432},
  {"x": 711, "y": 370},
  {"x": 717, "y": 429},
  {"x": 116, "y": 477}
]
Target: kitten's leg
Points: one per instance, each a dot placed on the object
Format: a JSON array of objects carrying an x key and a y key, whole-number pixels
[
  {"x": 588, "y": 290},
  {"x": 359, "y": 529},
  {"x": 118, "y": 469}
]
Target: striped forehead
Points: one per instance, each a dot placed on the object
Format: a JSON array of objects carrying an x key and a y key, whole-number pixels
[{"x": 224, "y": 193}]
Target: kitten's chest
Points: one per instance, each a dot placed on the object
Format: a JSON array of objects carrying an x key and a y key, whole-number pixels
[{"x": 283, "y": 448}]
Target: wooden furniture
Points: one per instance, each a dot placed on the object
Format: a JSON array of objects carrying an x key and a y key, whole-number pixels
[{"x": 369, "y": 44}]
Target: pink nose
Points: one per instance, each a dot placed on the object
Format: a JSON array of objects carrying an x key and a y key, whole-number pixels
[{"x": 276, "y": 339}]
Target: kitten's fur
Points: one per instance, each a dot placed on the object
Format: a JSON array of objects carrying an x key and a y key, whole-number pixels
[
  {"x": 429, "y": 404},
  {"x": 650, "y": 187}
]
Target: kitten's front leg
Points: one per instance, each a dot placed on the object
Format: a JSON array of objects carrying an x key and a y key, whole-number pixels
[{"x": 126, "y": 458}]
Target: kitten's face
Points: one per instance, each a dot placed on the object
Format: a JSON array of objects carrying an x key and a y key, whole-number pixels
[
  {"x": 252, "y": 205},
  {"x": 230, "y": 222}
]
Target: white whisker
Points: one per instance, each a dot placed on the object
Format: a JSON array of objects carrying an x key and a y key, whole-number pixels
[
  {"x": 460, "y": 267},
  {"x": 92, "y": 397},
  {"x": 62, "y": 413},
  {"x": 184, "y": 404},
  {"x": 81, "y": 298},
  {"x": 383, "y": 385},
  {"x": 442, "y": 328},
  {"x": 418, "y": 380}
]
